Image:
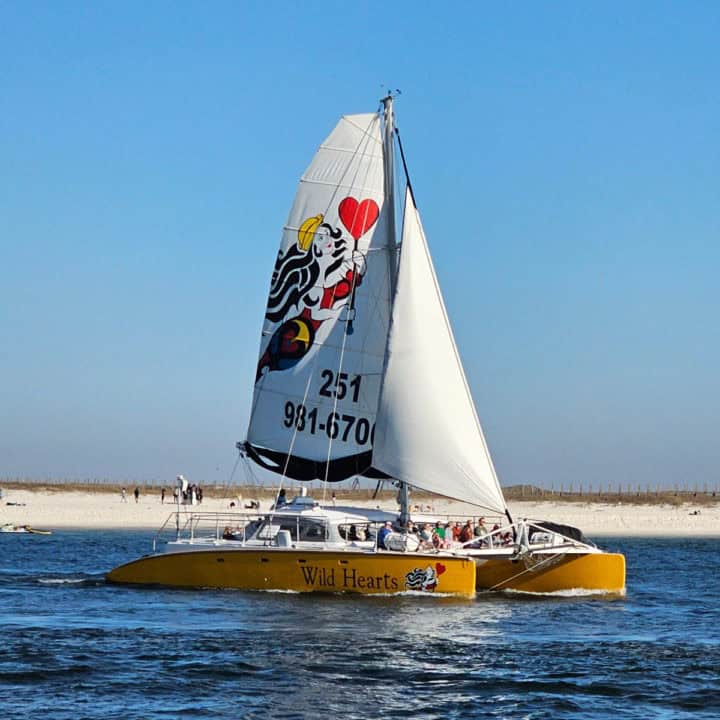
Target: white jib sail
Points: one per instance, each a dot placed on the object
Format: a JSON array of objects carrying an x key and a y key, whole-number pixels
[
  {"x": 317, "y": 385},
  {"x": 428, "y": 433}
]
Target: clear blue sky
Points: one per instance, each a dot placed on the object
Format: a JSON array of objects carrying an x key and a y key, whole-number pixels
[{"x": 565, "y": 158}]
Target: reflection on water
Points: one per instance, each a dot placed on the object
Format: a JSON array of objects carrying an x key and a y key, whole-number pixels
[{"x": 76, "y": 647}]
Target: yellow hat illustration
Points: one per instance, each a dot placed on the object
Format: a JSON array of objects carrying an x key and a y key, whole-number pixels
[{"x": 307, "y": 230}]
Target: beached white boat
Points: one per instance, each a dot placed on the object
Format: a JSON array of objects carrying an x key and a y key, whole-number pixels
[
  {"x": 359, "y": 375},
  {"x": 11, "y": 528}
]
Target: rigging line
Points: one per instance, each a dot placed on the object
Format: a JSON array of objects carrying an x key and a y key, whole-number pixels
[
  {"x": 527, "y": 570},
  {"x": 355, "y": 251},
  {"x": 250, "y": 478},
  {"x": 396, "y": 249},
  {"x": 457, "y": 356},
  {"x": 377, "y": 297},
  {"x": 405, "y": 167},
  {"x": 382, "y": 296},
  {"x": 458, "y": 360},
  {"x": 335, "y": 404},
  {"x": 249, "y": 475},
  {"x": 283, "y": 477},
  {"x": 232, "y": 474},
  {"x": 366, "y": 139},
  {"x": 348, "y": 321},
  {"x": 348, "y": 330},
  {"x": 359, "y": 151}
]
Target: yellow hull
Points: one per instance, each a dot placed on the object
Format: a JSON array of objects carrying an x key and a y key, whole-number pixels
[
  {"x": 597, "y": 572},
  {"x": 303, "y": 571}
]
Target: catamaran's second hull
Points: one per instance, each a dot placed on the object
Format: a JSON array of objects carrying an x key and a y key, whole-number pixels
[
  {"x": 367, "y": 573},
  {"x": 553, "y": 572}
]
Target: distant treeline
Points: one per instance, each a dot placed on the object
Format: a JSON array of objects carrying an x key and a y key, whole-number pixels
[
  {"x": 610, "y": 493},
  {"x": 613, "y": 493}
]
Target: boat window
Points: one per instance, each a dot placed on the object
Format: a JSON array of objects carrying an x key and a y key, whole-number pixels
[
  {"x": 251, "y": 528},
  {"x": 312, "y": 530},
  {"x": 290, "y": 526},
  {"x": 355, "y": 531},
  {"x": 309, "y": 530},
  {"x": 267, "y": 531}
]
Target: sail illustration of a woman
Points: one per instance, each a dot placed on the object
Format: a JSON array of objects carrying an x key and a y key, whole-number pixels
[{"x": 315, "y": 278}]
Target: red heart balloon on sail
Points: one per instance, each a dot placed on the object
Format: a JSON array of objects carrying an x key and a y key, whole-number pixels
[
  {"x": 358, "y": 217},
  {"x": 439, "y": 568}
]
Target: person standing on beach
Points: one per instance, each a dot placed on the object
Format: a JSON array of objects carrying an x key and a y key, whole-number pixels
[
  {"x": 162, "y": 496},
  {"x": 123, "y": 495},
  {"x": 136, "y": 493}
]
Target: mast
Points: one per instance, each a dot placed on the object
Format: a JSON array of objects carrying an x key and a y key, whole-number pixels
[
  {"x": 403, "y": 496},
  {"x": 389, "y": 176}
]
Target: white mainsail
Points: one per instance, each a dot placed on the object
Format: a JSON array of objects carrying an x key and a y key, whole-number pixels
[
  {"x": 428, "y": 434},
  {"x": 326, "y": 323}
]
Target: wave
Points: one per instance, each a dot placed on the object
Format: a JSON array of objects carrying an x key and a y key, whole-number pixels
[
  {"x": 78, "y": 580},
  {"x": 573, "y": 593}
]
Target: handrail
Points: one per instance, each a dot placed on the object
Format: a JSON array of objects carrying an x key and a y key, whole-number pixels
[
  {"x": 520, "y": 531},
  {"x": 192, "y": 524}
]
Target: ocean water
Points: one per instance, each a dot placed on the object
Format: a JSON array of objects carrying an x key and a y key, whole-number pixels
[{"x": 75, "y": 647}]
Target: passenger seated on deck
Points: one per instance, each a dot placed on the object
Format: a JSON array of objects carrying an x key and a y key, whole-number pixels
[
  {"x": 449, "y": 535},
  {"x": 384, "y": 532},
  {"x": 438, "y": 535},
  {"x": 411, "y": 528},
  {"x": 230, "y": 534},
  {"x": 466, "y": 534},
  {"x": 501, "y": 538},
  {"x": 426, "y": 536}
]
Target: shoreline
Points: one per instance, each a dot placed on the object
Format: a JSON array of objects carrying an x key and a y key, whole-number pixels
[{"x": 88, "y": 510}]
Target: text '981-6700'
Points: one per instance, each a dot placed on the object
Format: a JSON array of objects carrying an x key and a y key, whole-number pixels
[{"x": 337, "y": 426}]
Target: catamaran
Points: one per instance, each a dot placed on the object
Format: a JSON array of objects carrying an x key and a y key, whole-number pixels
[{"x": 359, "y": 376}]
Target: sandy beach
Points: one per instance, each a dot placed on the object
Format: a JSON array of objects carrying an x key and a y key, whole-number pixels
[{"x": 104, "y": 510}]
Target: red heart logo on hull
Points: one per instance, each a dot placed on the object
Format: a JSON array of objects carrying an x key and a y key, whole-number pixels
[
  {"x": 358, "y": 217},
  {"x": 439, "y": 568}
]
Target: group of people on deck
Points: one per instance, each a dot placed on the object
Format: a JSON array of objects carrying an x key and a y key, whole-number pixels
[{"x": 453, "y": 534}]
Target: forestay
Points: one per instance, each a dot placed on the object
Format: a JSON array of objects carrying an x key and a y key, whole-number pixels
[
  {"x": 428, "y": 433},
  {"x": 323, "y": 342}
]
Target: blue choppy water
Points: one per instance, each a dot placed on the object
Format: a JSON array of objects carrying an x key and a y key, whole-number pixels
[{"x": 75, "y": 647}]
